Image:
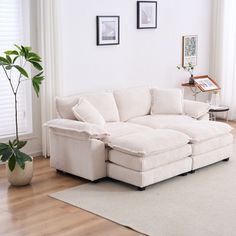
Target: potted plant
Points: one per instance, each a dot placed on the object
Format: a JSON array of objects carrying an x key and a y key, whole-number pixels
[
  {"x": 189, "y": 68},
  {"x": 19, "y": 164}
]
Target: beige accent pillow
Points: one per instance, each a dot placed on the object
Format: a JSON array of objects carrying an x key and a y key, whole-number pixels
[
  {"x": 86, "y": 112},
  {"x": 167, "y": 101}
]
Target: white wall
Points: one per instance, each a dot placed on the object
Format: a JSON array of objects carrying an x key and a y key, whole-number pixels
[{"x": 144, "y": 57}]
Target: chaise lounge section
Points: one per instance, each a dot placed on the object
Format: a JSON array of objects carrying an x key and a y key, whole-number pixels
[{"x": 140, "y": 136}]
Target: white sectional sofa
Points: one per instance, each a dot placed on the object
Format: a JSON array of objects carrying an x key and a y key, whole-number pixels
[{"x": 138, "y": 135}]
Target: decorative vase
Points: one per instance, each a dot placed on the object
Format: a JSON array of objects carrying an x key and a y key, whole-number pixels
[
  {"x": 215, "y": 99},
  {"x": 191, "y": 80},
  {"x": 19, "y": 176}
]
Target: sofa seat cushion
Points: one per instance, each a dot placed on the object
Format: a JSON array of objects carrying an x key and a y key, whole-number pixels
[
  {"x": 149, "y": 142},
  {"x": 209, "y": 145},
  {"x": 150, "y": 162},
  {"x": 198, "y": 131},
  {"x": 118, "y": 129},
  {"x": 161, "y": 121},
  {"x": 133, "y": 102}
]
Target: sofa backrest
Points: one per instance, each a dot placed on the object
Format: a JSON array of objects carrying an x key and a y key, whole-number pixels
[
  {"x": 64, "y": 106},
  {"x": 104, "y": 102},
  {"x": 133, "y": 102},
  {"x": 121, "y": 105}
]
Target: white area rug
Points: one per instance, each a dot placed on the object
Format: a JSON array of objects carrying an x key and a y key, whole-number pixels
[{"x": 201, "y": 204}]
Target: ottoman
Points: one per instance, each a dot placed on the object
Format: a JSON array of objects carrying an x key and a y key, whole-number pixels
[
  {"x": 211, "y": 141},
  {"x": 148, "y": 157}
]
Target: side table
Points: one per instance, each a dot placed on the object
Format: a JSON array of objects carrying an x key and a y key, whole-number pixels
[{"x": 216, "y": 109}]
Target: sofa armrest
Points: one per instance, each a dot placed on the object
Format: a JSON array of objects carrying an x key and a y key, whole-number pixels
[
  {"x": 77, "y": 129},
  {"x": 196, "y": 109}
]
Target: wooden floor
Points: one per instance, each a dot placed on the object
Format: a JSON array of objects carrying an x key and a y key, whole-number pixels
[{"x": 29, "y": 211}]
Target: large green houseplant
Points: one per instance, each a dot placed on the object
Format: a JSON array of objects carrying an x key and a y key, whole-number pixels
[{"x": 18, "y": 59}]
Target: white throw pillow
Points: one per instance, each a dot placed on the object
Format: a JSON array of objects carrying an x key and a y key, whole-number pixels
[
  {"x": 85, "y": 111},
  {"x": 167, "y": 101},
  {"x": 105, "y": 103}
]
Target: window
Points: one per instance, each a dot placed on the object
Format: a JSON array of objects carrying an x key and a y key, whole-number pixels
[{"x": 14, "y": 29}]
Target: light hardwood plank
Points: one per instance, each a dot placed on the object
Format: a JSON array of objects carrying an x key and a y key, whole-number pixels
[{"x": 29, "y": 211}]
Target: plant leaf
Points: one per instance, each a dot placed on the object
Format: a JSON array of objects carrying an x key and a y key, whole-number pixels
[
  {"x": 28, "y": 48},
  {"x": 4, "y": 60},
  {"x": 12, "y": 163},
  {"x": 3, "y": 146},
  {"x": 17, "y": 46},
  {"x": 36, "y": 65},
  {"x": 5, "y": 152},
  {"x": 9, "y": 59},
  {"x": 34, "y": 59},
  {"x": 15, "y": 142},
  {"x": 8, "y": 67},
  {"x": 14, "y": 60},
  {"x": 21, "y": 144},
  {"x": 21, "y": 158},
  {"x": 21, "y": 70},
  {"x": 11, "y": 52},
  {"x": 33, "y": 54},
  {"x": 10, "y": 143},
  {"x": 36, "y": 82}
]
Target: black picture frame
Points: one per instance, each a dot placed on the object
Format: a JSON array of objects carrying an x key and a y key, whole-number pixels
[
  {"x": 108, "y": 39},
  {"x": 139, "y": 15}
]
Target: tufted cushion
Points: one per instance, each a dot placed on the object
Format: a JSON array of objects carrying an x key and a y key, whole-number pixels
[{"x": 149, "y": 142}]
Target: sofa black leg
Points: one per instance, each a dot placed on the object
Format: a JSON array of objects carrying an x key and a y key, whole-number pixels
[
  {"x": 184, "y": 174},
  {"x": 227, "y": 159},
  {"x": 192, "y": 171},
  {"x": 60, "y": 171},
  {"x": 141, "y": 188}
]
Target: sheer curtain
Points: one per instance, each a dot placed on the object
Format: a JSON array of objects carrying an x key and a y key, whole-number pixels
[
  {"x": 223, "y": 58},
  {"x": 48, "y": 38}
]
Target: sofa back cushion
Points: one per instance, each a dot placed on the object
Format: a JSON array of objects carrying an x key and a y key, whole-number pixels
[
  {"x": 167, "y": 101},
  {"x": 64, "y": 107},
  {"x": 105, "y": 103},
  {"x": 133, "y": 102},
  {"x": 85, "y": 111}
]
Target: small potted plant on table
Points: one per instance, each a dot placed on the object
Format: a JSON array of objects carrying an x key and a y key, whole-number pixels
[
  {"x": 19, "y": 164},
  {"x": 189, "y": 68}
]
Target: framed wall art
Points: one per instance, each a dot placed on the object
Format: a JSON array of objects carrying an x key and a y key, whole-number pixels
[
  {"x": 205, "y": 83},
  {"x": 108, "y": 30},
  {"x": 146, "y": 14},
  {"x": 189, "y": 50}
]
